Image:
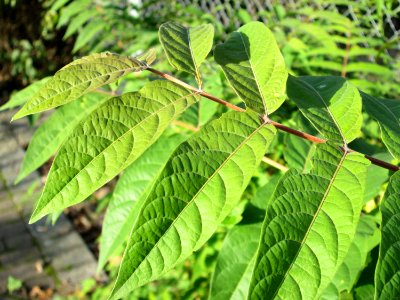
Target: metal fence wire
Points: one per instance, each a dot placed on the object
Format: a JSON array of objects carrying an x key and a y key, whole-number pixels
[{"x": 376, "y": 19}]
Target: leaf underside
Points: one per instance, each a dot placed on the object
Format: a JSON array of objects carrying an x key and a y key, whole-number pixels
[
  {"x": 254, "y": 66},
  {"x": 387, "y": 274},
  {"x": 78, "y": 78},
  {"x": 186, "y": 48},
  {"x": 49, "y": 136},
  {"x": 309, "y": 226},
  {"x": 197, "y": 189},
  {"x": 109, "y": 140},
  {"x": 330, "y": 103},
  {"x": 133, "y": 185}
]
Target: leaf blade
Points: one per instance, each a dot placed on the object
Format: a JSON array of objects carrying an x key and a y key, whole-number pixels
[
  {"x": 330, "y": 103},
  {"x": 386, "y": 112},
  {"x": 131, "y": 187},
  {"x": 78, "y": 78},
  {"x": 49, "y": 136},
  {"x": 254, "y": 66},
  {"x": 387, "y": 275},
  {"x": 205, "y": 163},
  {"x": 105, "y": 143},
  {"x": 302, "y": 242},
  {"x": 186, "y": 48}
]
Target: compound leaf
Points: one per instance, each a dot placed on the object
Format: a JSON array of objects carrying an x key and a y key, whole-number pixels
[
  {"x": 254, "y": 66},
  {"x": 78, "y": 78},
  {"x": 330, "y": 103},
  {"x": 309, "y": 225},
  {"x": 200, "y": 185},
  {"x": 232, "y": 274},
  {"x": 387, "y": 274},
  {"x": 131, "y": 187},
  {"x": 110, "y": 139},
  {"x": 186, "y": 48},
  {"x": 49, "y": 136},
  {"x": 387, "y": 113}
]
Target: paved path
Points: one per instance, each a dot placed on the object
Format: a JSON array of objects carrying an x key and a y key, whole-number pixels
[{"x": 38, "y": 254}]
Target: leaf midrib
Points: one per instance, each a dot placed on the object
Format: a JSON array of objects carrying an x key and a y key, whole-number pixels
[
  {"x": 194, "y": 197},
  {"x": 252, "y": 71},
  {"x": 331, "y": 182},
  {"x": 116, "y": 140}
]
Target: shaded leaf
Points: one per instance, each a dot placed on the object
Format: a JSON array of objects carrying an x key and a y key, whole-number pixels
[
  {"x": 254, "y": 66},
  {"x": 78, "y": 78},
  {"x": 309, "y": 225},
  {"x": 387, "y": 113},
  {"x": 49, "y": 136},
  {"x": 186, "y": 47},
  {"x": 387, "y": 274},
  {"x": 109, "y": 140},
  {"x": 200, "y": 185},
  {"x": 367, "y": 237},
  {"x": 133, "y": 185},
  {"x": 232, "y": 274},
  {"x": 330, "y": 103}
]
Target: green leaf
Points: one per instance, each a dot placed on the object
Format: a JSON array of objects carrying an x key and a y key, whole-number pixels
[
  {"x": 254, "y": 66},
  {"x": 109, "y": 140},
  {"x": 298, "y": 152},
  {"x": 78, "y": 78},
  {"x": 87, "y": 34},
  {"x": 387, "y": 113},
  {"x": 78, "y": 21},
  {"x": 23, "y": 95},
  {"x": 367, "y": 237},
  {"x": 387, "y": 274},
  {"x": 186, "y": 48},
  {"x": 330, "y": 103},
  {"x": 133, "y": 185},
  {"x": 232, "y": 274},
  {"x": 376, "y": 177},
  {"x": 309, "y": 225},
  {"x": 49, "y": 136},
  {"x": 202, "y": 182}
]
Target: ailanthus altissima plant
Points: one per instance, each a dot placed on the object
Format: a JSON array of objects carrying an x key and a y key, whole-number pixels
[{"x": 314, "y": 239}]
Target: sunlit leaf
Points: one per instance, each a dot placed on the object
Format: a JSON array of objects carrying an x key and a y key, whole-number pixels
[
  {"x": 186, "y": 47},
  {"x": 200, "y": 185},
  {"x": 49, "y": 136},
  {"x": 309, "y": 225},
  {"x": 330, "y": 103},
  {"x": 78, "y": 78},
  {"x": 110, "y": 139},
  {"x": 133, "y": 185},
  {"x": 254, "y": 67}
]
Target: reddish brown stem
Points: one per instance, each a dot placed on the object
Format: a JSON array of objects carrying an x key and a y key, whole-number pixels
[{"x": 277, "y": 125}]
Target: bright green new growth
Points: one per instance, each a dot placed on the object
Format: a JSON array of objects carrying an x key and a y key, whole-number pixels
[
  {"x": 387, "y": 274},
  {"x": 197, "y": 189},
  {"x": 186, "y": 48},
  {"x": 49, "y": 136},
  {"x": 330, "y": 103},
  {"x": 132, "y": 187},
  {"x": 254, "y": 67},
  {"x": 78, "y": 78},
  {"x": 309, "y": 226},
  {"x": 387, "y": 113},
  {"x": 108, "y": 140}
]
